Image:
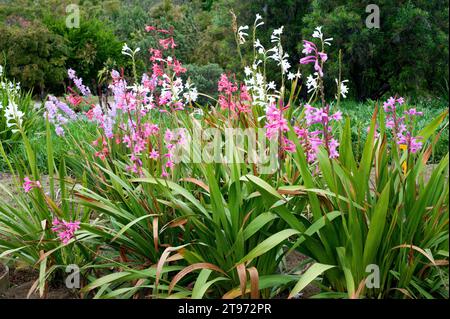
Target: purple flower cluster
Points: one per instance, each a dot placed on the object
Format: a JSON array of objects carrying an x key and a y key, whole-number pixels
[
  {"x": 173, "y": 140},
  {"x": 58, "y": 113},
  {"x": 85, "y": 91},
  {"x": 402, "y": 126},
  {"x": 322, "y": 116},
  {"x": 65, "y": 230},
  {"x": 310, "y": 142}
]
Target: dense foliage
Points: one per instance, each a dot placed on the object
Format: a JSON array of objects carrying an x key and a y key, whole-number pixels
[
  {"x": 396, "y": 58},
  {"x": 156, "y": 200}
]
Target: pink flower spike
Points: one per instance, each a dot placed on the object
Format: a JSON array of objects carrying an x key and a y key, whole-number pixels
[
  {"x": 164, "y": 173},
  {"x": 65, "y": 230},
  {"x": 28, "y": 184}
]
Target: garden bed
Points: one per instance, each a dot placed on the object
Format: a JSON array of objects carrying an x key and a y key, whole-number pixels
[
  {"x": 21, "y": 280},
  {"x": 159, "y": 195}
]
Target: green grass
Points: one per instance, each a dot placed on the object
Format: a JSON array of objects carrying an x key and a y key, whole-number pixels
[{"x": 81, "y": 130}]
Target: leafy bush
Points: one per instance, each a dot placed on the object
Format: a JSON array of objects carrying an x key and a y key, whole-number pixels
[
  {"x": 89, "y": 46},
  {"x": 34, "y": 56},
  {"x": 394, "y": 58},
  {"x": 205, "y": 77}
]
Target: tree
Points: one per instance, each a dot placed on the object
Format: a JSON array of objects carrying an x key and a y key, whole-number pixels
[
  {"x": 408, "y": 54},
  {"x": 89, "y": 46},
  {"x": 34, "y": 55}
]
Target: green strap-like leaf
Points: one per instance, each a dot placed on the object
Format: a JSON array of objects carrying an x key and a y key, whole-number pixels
[
  {"x": 312, "y": 273},
  {"x": 268, "y": 244}
]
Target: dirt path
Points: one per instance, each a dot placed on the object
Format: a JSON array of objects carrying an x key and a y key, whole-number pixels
[{"x": 7, "y": 181}]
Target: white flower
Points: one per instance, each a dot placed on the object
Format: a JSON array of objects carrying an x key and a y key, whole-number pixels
[
  {"x": 13, "y": 116},
  {"x": 343, "y": 90},
  {"x": 277, "y": 55},
  {"x": 285, "y": 65},
  {"x": 311, "y": 83},
  {"x": 126, "y": 50},
  {"x": 247, "y": 71},
  {"x": 258, "y": 21},
  {"x": 1, "y": 70},
  {"x": 256, "y": 64},
  {"x": 242, "y": 34},
  {"x": 278, "y": 31},
  {"x": 319, "y": 35},
  {"x": 275, "y": 37},
  {"x": 191, "y": 94},
  {"x": 271, "y": 86},
  {"x": 259, "y": 79},
  {"x": 259, "y": 47}
]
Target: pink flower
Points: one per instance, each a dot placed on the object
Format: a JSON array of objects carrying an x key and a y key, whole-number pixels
[
  {"x": 332, "y": 145},
  {"x": 74, "y": 100},
  {"x": 309, "y": 142},
  {"x": 276, "y": 123},
  {"x": 402, "y": 127},
  {"x": 164, "y": 173},
  {"x": 170, "y": 164},
  {"x": 167, "y": 43},
  {"x": 156, "y": 55},
  {"x": 337, "y": 116},
  {"x": 389, "y": 105},
  {"x": 226, "y": 86},
  {"x": 65, "y": 230},
  {"x": 177, "y": 67},
  {"x": 312, "y": 140},
  {"x": 288, "y": 146},
  {"x": 157, "y": 70},
  {"x": 308, "y": 48},
  {"x": 150, "y": 129},
  {"x": 115, "y": 75},
  {"x": 79, "y": 83},
  {"x": 28, "y": 184},
  {"x": 169, "y": 136},
  {"x": 154, "y": 155},
  {"x": 413, "y": 112}
]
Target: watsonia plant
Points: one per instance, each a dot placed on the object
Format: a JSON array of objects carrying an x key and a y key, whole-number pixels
[
  {"x": 36, "y": 227},
  {"x": 393, "y": 214}
]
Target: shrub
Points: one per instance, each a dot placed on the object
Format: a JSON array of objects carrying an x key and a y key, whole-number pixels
[
  {"x": 205, "y": 77},
  {"x": 34, "y": 56},
  {"x": 392, "y": 58}
]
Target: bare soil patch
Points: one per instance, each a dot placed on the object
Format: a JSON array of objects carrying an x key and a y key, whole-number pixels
[{"x": 21, "y": 281}]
